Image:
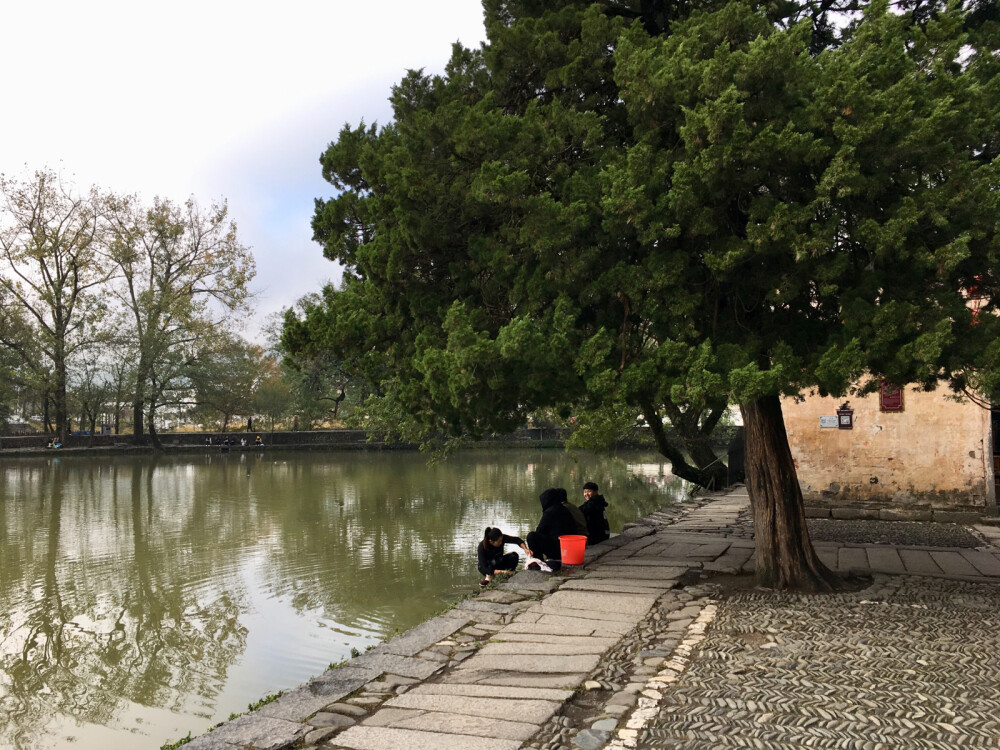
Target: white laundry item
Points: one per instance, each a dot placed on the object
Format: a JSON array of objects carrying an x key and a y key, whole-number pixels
[{"x": 541, "y": 564}]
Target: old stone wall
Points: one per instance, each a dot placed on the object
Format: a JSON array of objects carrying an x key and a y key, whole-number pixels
[{"x": 936, "y": 453}]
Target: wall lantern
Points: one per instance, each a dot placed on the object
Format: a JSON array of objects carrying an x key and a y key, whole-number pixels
[{"x": 845, "y": 418}]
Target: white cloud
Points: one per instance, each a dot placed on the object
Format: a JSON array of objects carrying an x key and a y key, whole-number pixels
[{"x": 214, "y": 99}]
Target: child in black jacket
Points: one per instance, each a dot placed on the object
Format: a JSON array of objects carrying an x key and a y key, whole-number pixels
[
  {"x": 593, "y": 509},
  {"x": 490, "y": 556}
]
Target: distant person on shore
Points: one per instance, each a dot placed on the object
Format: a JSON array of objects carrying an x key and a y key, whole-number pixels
[
  {"x": 559, "y": 517},
  {"x": 249, "y": 424},
  {"x": 594, "y": 505},
  {"x": 490, "y": 556},
  {"x": 258, "y": 442}
]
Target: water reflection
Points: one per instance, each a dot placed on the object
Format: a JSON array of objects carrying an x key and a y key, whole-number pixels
[
  {"x": 142, "y": 598},
  {"x": 94, "y": 604}
]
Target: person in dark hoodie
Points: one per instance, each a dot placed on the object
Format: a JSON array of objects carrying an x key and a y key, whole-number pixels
[
  {"x": 490, "y": 556},
  {"x": 559, "y": 517},
  {"x": 598, "y": 528}
]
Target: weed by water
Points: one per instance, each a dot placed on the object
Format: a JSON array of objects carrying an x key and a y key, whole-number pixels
[
  {"x": 177, "y": 744},
  {"x": 251, "y": 707},
  {"x": 270, "y": 698}
]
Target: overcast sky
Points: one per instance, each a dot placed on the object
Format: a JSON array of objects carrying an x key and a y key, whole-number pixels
[{"x": 214, "y": 99}]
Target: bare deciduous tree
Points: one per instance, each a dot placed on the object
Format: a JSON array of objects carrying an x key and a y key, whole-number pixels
[{"x": 52, "y": 244}]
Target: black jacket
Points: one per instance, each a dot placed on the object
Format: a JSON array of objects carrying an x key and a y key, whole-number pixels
[
  {"x": 559, "y": 516},
  {"x": 598, "y": 528},
  {"x": 490, "y": 558}
]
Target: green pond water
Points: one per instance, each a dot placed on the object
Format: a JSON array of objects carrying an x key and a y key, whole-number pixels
[{"x": 143, "y": 598}]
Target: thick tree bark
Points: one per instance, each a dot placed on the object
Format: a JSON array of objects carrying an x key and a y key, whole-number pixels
[{"x": 784, "y": 555}]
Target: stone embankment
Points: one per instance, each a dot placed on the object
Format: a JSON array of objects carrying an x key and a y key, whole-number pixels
[
  {"x": 340, "y": 439},
  {"x": 647, "y": 645}
]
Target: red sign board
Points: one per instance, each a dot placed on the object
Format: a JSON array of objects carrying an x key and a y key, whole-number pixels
[{"x": 890, "y": 397}]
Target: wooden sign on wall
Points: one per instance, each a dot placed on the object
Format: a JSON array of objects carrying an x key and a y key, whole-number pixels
[{"x": 890, "y": 397}]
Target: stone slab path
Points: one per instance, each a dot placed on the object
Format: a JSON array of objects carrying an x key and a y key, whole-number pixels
[
  {"x": 501, "y": 696},
  {"x": 624, "y": 640}
]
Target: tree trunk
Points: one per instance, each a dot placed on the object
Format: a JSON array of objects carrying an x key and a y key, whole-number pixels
[
  {"x": 59, "y": 396},
  {"x": 153, "y": 437},
  {"x": 712, "y": 476},
  {"x": 694, "y": 431},
  {"x": 784, "y": 555},
  {"x": 137, "y": 421},
  {"x": 139, "y": 401}
]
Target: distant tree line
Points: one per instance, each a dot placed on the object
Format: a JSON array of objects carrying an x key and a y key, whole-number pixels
[{"x": 121, "y": 312}]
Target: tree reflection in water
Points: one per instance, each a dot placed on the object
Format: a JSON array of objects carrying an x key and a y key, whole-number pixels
[
  {"x": 124, "y": 582},
  {"x": 106, "y": 618}
]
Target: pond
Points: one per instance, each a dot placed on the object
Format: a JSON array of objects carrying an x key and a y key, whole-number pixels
[{"x": 142, "y": 598}]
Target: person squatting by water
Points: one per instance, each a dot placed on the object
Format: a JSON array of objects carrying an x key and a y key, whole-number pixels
[
  {"x": 490, "y": 554},
  {"x": 559, "y": 517}
]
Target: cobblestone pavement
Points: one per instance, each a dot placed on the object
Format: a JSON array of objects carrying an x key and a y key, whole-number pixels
[
  {"x": 654, "y": 643},
  {"x": 901, "y": 533},
  {"x": 905, "y": 663}
]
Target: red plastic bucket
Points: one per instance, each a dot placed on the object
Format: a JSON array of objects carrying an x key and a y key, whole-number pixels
[{"x": 571, "y": 549}]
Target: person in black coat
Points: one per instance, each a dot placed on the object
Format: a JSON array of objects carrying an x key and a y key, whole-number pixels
[
  {"x": 598, "y": 528},
  {"x": 559, "y": 517},
  {"x": 490, "y": 556}
]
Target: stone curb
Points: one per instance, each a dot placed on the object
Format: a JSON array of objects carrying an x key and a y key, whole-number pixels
[{"x": 849, "y": 513}]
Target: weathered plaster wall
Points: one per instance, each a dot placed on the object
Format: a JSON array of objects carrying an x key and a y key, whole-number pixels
[{"x": 936, "y": 453}]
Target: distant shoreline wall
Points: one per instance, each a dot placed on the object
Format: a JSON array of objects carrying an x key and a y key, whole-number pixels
[{"x": 528, "y": 437}]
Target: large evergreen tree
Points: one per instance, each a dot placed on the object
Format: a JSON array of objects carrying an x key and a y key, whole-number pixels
[
  {"x": 477, "y": 259},
  {"x": 670, "y": 206}
]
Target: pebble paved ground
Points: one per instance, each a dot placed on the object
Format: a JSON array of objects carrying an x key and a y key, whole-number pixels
[
  {"x": 904, "y": 663},
  {"x": 660, "y": 641},
  {"x": 905, "y": 533}
]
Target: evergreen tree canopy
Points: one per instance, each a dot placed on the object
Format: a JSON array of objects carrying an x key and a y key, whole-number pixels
[{"x": 671, "y": 206}]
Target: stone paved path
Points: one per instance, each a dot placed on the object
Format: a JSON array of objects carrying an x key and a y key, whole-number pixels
[{"x": 633, "y": 650}]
